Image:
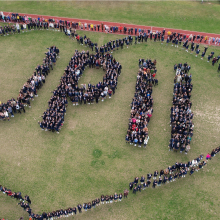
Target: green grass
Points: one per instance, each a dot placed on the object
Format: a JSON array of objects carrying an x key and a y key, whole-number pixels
[
  {"x": 185, "y": 15},
  {"x": 89, "y": 157}
]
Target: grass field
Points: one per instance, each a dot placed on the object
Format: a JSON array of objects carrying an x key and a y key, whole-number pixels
[
  {"x": 58, "y": 171},
  {"x": 62, "y": 170}
]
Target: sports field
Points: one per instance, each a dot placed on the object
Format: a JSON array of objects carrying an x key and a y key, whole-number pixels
[{"x": 62, "y": 170}]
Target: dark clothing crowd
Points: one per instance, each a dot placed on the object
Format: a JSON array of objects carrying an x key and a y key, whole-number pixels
[
  {"x": 157, "y": 178},
  {"x": 181, "y": 115},
  {"x": 106, "y": 48},
  {"x": 30, "y": 88},
  {"x": 53, "y": 117},
  {"x": 25, "y": 203},
  {"x": 170, "y": 174}
]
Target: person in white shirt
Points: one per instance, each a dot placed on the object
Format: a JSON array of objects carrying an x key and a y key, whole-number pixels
[
  {"x": 68, "y": 32},
  {"x": 25, "y": 27},
  {"x": 6, "y": 115},
  {"x": 18, "y": 27},
  {"x": 146, "y": 141}
]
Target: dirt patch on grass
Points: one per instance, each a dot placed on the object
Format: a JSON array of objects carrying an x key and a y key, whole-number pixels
[{"x": 211, "y": 114}]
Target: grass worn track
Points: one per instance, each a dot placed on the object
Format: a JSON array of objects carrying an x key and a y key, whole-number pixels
[{"x": 61, "y": 170}]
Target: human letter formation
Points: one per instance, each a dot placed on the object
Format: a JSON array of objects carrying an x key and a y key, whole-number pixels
[{"x": 162, "y": 177}]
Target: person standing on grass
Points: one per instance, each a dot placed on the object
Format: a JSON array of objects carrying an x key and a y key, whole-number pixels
[
  {"x": 102, "y": 199},
  {"x": 205, "y": 49},
  {"x": 162, "y": 39},
  {"x": 197, "y": 46},
  {"x": 168, "y": 40},
  {"x": 203, "y": 54},
  {"x": 155, "y": 174},
  {"x": 197, "y": 52},
  {"x": 208, "y": 157},
  {"x": 131, "y": 185},
  {"x": 139, "y": 188},
  {"x": 97, "y": 201},
  {"x": 154, "y": 183},
  {"x": 176, "y": 42},
  {"x": 192, "y": 171},
  {"x": 214, "y": 61},
  {"x": 135, "y": 190},
  {"x": 79, "y": 206},
  {"x": 219, "y": 68},
  {"x": 160, "y": 181},
  {"x": 126, "y": 193},
  {"x": 135, "y": 40},
  {"x": 89, "y": 206},
  {"x": 192, "y": 47},
  {"x": 107, "y": 199},
  {"x": 122, "y": 44},
  {"x": 142, "y": 179},
  {"x": 120, "y": 197},
  {"x": 10, "y": 111},
  {"x": 18, "y": 28},
  {"x": 180, "y": 40},
  {"x": 74, "y": 210},
  {"x": 115, "y": 197},
  {"x": 85, "y": 206}
]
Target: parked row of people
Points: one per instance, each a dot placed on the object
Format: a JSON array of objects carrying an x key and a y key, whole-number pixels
[{"x": 30, "y": 88}]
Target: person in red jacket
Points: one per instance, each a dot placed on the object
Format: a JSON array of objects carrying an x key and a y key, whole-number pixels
[
  {"x": 110, "y": 93},
  {"x": 120, "y": 28}
]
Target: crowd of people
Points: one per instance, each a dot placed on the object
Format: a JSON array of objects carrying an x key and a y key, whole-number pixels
[
  {"x": 69, "y": 28},
  {"x": 30, "y": 88},
  {"x": 195, "y": 48},
  {"x": 157, "y": 178},
  {"x": 53, "y": 117},
  {"x": 177, "y": 39},
  {"x": 25, "y": 203},
  {"x": 59, "y": 23},
  {"x": 102, "y": 58},
  {"x": 108, "y": 47},
  {"x": 24, "y": 23},
  {"x": 170, "y": 174},
  {"x": 181, "y": 115},
  {"x": 142, "y": 104}
]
